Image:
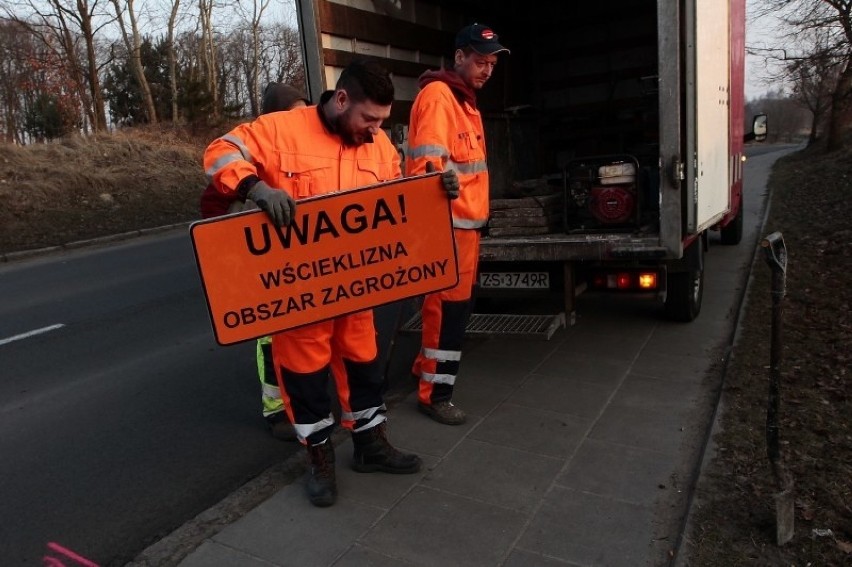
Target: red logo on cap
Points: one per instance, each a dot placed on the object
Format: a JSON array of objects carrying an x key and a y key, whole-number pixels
[{"x": 487, "y": 34}]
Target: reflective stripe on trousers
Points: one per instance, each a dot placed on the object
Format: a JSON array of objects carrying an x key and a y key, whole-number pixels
[
  {"x": 344, "y": 347},
  {"x": 445, "y": 315}
]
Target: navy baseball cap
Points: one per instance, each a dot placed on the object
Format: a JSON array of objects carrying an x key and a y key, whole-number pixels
[{"x": 480, "y": 38}]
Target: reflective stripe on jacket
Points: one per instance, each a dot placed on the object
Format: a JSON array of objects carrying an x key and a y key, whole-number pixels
[
  {"x": 294, "y": 151},
  {"x": 450, "y": 135}
]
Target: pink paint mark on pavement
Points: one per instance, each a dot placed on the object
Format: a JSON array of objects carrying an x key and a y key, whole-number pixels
[{"x": 67, "y": 554}]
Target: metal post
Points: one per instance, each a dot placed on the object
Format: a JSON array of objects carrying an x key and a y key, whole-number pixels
[{"x": 775, "y": 254}]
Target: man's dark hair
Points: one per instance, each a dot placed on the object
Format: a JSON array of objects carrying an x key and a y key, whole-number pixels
[
  {"x": 364, "y": 79},
  {"x": 280, "y": 96}
]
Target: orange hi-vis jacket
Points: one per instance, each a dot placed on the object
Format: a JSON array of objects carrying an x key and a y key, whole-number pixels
[
  {"x": 295, "y": 151},
  {"x": 450, "y": 134}
]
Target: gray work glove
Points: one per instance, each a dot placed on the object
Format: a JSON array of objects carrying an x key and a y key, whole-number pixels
[
  {"x": 276, "y": 202},
  {"x": 449, "y": 180}
]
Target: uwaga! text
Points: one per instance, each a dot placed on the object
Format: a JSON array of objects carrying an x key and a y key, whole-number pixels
[{"x": 323, "y": 226}]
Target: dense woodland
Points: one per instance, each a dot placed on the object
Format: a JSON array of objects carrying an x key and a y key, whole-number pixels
[{"x": 94, "y": 65}]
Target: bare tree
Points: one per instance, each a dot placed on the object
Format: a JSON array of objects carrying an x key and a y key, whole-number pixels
[
  {"x": 252, "y": 15},
  {"x": 246, "y": 68},
  {"x": 15, "y": 49},
  {"x": 832, "y": 21},
  {"x": 841, "y": 99},
  {"x": 170, "y": 40},
  {"x": 232, "y": 57},
  {"x": 208, "y": 51},
  {"x": 282, "y": 60},
  {"x": 133, "y": 43},
  {"x": 84, "y": 19},
  {"x": 814, "y": 79},
  {"x": 67, "y": 23}
]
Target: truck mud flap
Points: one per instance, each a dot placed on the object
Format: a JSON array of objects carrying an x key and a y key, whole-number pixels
[{"x": 502, "y": 325}]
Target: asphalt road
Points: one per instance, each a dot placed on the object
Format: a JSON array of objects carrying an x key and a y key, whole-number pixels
[{"x": 120, "y": 417}]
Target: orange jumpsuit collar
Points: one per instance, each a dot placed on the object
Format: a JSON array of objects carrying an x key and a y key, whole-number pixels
[{"x": 460, "y": 90}]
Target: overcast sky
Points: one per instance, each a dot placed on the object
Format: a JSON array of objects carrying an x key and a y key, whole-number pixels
[{"x": 760, "y": 33}]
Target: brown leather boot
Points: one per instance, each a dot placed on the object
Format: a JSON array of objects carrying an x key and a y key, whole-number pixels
[
  {"x": 373, "y": 452},
  {"x": 444, "y": 412},
  {"x": 280, "y": 427},
  {"x": 322, "y": 484}
]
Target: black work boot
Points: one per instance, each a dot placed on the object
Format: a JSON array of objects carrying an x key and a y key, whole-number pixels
[
  {"x": 322, "y": 487},
  {"x": 373, "y": 452}
]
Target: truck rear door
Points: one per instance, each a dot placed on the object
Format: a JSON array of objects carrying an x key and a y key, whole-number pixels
[{"x": 708, "y": 107}]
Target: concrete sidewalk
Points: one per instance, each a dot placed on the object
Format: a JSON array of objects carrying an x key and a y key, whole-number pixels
[
  {"x": 580, "y": 450},
  {"x": 572, "y": 455}
]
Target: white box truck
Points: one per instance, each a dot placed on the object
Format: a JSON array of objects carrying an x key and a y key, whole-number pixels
[{"x": 614, "y": 131}]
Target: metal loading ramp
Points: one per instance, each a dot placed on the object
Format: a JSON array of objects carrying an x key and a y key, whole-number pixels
[{"x": 502, "y": 325}]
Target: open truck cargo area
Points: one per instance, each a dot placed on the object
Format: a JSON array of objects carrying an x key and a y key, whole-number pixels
[{"x": 614, "y": 131}]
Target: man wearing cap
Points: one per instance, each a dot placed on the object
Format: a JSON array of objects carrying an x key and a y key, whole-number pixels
[{"x": 446, "y": 133}]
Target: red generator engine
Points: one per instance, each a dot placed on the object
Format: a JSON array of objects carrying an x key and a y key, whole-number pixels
[{"x": 601, "y": 193}]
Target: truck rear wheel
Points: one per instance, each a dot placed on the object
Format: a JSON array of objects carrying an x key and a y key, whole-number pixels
[
  {"x": 685, "y": 290},
  {"x": 733, "y": 232}
]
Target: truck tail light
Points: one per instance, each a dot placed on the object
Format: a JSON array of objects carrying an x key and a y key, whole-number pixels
[
  {"x": 625, "y": 280},
  {"x": 648, "y": 280}
]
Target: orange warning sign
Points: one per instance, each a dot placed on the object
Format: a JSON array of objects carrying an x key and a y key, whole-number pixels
[{"x": 344, "y": 252}]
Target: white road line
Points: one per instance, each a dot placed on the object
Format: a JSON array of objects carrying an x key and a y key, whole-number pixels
[{"x": 31, "y": 333}]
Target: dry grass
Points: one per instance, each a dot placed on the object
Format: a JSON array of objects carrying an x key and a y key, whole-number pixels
[
  {"x": 80, "y": 188},
  {"x": 735, "y": 518}
]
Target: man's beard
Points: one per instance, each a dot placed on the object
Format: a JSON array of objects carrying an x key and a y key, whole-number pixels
[{"x": 347, "y": 135}]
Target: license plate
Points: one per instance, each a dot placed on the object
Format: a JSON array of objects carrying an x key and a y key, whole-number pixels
[{"x": 515, "y": 280}]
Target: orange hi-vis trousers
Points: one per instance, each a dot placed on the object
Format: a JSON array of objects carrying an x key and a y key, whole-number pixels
[
  {"x": 445, "y": 315},
  {"x": 347, "y": 347}
]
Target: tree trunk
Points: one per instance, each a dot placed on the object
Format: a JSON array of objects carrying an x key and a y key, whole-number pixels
[
  {"x": 255, "y": 91},
  {"x": 812, "y": 137},
  {"x": 138, "y": 68},
  {"x": 172, "y": 60},
  {"x": 72, "y": 62},
  {"x": 205, "y": 11},
  {"x": 840, "y": 117},
  {"x": 98, "y": 113},
  {"x": 133, "y": 43}
]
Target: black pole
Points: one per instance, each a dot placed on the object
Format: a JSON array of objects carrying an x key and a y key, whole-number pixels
[{"x": 775, "y": 254}]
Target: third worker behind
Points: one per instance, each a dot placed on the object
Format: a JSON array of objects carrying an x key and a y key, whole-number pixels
[{"x": 446, "y": 132}]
